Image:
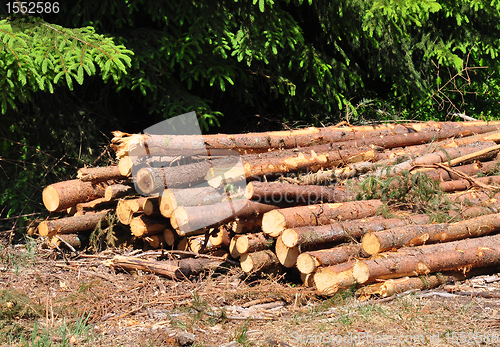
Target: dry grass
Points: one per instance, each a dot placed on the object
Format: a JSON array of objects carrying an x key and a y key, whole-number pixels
[{"x": 45, "y": 301}]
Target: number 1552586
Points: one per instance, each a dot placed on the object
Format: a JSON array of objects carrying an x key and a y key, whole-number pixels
[{"x": 31, "y": 7}]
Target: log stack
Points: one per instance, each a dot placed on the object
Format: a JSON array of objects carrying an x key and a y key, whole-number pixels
[{"x": 288, "y": 200}]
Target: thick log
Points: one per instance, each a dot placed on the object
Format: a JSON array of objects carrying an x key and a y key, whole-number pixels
[
  {"x": 274, "y": 222},
  {"x": 165, "y": 268},
  {"x": 100, "y": 174},
  {"x": 250, "y": 243},
  {"x": 117, "y": 191},
  {"x": 142, "y": 225},
  {"x": 415, "y": 235},
  {"x": 71, "y": 225},
  {"x": 59, "y": 196},
  {"x": 328, "y": 280},
  {"x": 257, "y": 261},
  {"x": 188, "y": 218},
  {"x": 339, "y": 232},
  {"x": 297, "y": 194},
  {"x": 308, "y": 262},
  {"x": 173, "y": 198},
  {"x": 151, "y": 207}
]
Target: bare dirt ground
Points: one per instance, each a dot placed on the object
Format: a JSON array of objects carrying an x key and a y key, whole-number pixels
[{"x": 46, "y": 300}]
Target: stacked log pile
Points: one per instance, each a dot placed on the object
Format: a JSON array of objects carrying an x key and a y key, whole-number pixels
[{"x": 287, "y": 199}]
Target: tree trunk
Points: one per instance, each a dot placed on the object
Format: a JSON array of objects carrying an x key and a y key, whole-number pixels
[
  {"x": 415, "y": 235},
  {"x": 71, "y": 225},
  {"x": 221, "y": 236},
  {"x": 59, "y": 196},
  {"x": 252, "y": 243},
  {"x": 339, "y": 232},
  {"x": 297, "y": 194},
  {"x": 173, "y": 198},
  {"x": 124, "y": 212},
  {"x": 308, "y": 262},
  {"x": 117, "y": 191},
  {"x": 142, "y": 225},
  {"x": 328, "y": 280},
  {"x": 459, "y": 185},
  {"x": 257, "y": 261},
  {"x": 97, "y": 204},
  {"x": 274, "y": 222},
  {"x": 188, "y": 218},
  {"x": 246, "y": 226},
  {"x": 165, "y": 268},
  {"x": 100, "y": 174}
]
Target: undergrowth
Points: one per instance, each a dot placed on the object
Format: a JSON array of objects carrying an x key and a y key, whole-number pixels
[{"x": 416, "y": 193}]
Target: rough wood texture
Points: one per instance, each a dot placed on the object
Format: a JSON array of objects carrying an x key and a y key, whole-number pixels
[
  {"x": 251, "y": 262},
  {"x": 459, "y": 185},
  {"x": 99, "y": 174},
  {"x": 244, "y": 226},
  {"x": 401, "y": 285},
  {"x": 74, "y": 240},
  {"x": 287, "y": 256},
  {"x": 339, "y": 232},
  {"x": 233, "y": 252},
  {"x": 59, "y": 196},
  {"x": 116, "y": 191},
  {"x": 123, "y": 212},
  {"x": 164, "y": 268},
  {"x": 252, "y": 243},
  {"x": 415, "y": 235},
  {"x": 71, "y": 225},
  {"x": 173, "y": 198},
  {"x": 221, "y": 236},
  {"x": 274, "y": 222},
  {"x": 308, "y": 262},
  {"x": 145, "y": 225}
]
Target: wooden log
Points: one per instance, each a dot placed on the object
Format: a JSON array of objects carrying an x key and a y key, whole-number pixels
[
  {"x": 164, "y": 268},
  {"x": 124, "y": 213},
  {"x": 188, "y": 218},
  {"x": 221, "y": 236},
  {"x": 286, "y": 256},
  {"x": 170, "y": 237},
  {"x": 459, "y": 185},
  {"x": 59, "y": 196},
  {"x": 183, "y": 244},
  {"x": 71, "y": 225},
  {"x": 100, "y": 174},
  {"x": 151, "y": 207},
  {"x": 137, "y": 205},
  {"x": 296, "y": 194},
  {"x": 97, "y": 204},
  {"x": 143, "y": 225},
  {"x": 245, "y": 226},
  {"x": 339, "y": 232},
  {"x": 200, "y": 244},
  {"x": 401, "y": 285},
  {"x": 257, "y": 261},
  {"x": 414, "y": 261},
  {"x": 74, "y": 240},
  {"x": 173, "y": 198},
  {"x": 274, "y": 222},
  {"x": 414, "y": 235},
  {"x": 250, "y": 243},
  {"x": 328, "y": 280},
  {"x": 117, "y": 191},
  {"x": 233, "y": 251},
  {"x": 125, "y": 165},
  {"x": 308, "y": 262},
  {"x": 156, "y": 241},
  {"x": 469, "y": 169}
]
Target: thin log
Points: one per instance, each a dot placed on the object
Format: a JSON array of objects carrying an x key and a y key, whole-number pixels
[
  {"x": 469, "y": 169},
  {"x": 173, "y": 198},
  {"x": 339, "y": 232},
  {"x": 100, "y": 174},
  {"x": 117, "y": 191},
  {"x": 308, "y": 262},
  {"x": 170, "y": 237},
  {"x": 257, "y": 261},
  {"x": 164, "y": 268},
  {"x": 188, "y": 218},
  {"x": 244, "y": 226},
  {"x": 287, "y": 256},
  {"x": 233, "y": 251},
  {"x": 124, "y": 212},
  {"x": 274, "y": 222},
  {"x": 414, "y": 235},
  {"x": 401, "y": 285},
  {"x": 459, "y": 185},
  {"x": 59, "y": 196},
  {"x": 221, "y": 236},
  {"x": 156, "y": 241},
  {"x": 490, "y": 151},
  {"x": 97, "y": 204},
  {"x": 252, "y": 243},
  {"x": 74, "y": 240},
  {"x": 71, "y": 225},
  {"x": 142, "y": 225}
]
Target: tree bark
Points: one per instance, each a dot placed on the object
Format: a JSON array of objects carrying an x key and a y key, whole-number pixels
[
  {"x": 308, "y": 262},
  {"x": 459, "y": 185},
  {"x": 415, "y": 235},
  {"x": 142, "y": 225},
  {"x": 117, "y": 191},
  {"x": 156, "y": 241},
  {"x": 274, "y": 222},
  {"x": 401, "y": 285},
  {"x": 339, "y": 232},
  {"x": 252, "y": 243},
  {"x": 173, "y": 198},
  {"x": 71, "y": 225},
  {"x": 245, "y": 226},
  {"x": 257, "y": 261},
  {"x": 188, "y": 218},
  {"x": 97, "y": 204},
  {"x": 100, "y": 174},
  {"x": 59, "y": 196}
]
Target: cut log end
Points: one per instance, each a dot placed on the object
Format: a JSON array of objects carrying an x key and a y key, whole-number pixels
[
  {"x": 307, "y": 264},
  {"x": 287, "y": 256},
  {"x": 145, "y": 181},
  {"x": 246, "y": 263},
  {"x": 125, "y": 166},
  {"x": 361, "y": 272},
  {"x": 290, "y": 238},
  {"x": 43, "y": 229},
  {"x": 242, "y": 244},
  {"x": 179, "y": 220},
  {"x": 50, "y": 198},
  {"x": 232, "y": 248},
  {"x": 371, "y": 244},
  {"x": 273, "y": 223}
]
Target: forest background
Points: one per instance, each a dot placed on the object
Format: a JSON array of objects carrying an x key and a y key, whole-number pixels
[{"x": 70, "y": 73}]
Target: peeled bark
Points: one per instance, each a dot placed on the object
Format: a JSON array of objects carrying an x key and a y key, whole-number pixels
[
  {"x": 339, "y": 232},
  {"x": 188, "y": 218},
  {"x": 100, "y": 174},
  {"x": 144, "y": 225},
  {"x": 415, "y": 235},
  {"x": 250, "y": 243},
  {"x": 252, "y": 262},
  {"x": 71, "y": 225},
  {"x": 116, "y": 191},
  {"x": 59, "y": 196},
  {"x": 173, "y": 198},
  {"x": 274, "y": 222},
  {"x": 469, "y": 169},
  {"x": 165, "y": 268},
  {"x": 291, "y": 193},
  {"x": 308, "y": 262}
]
